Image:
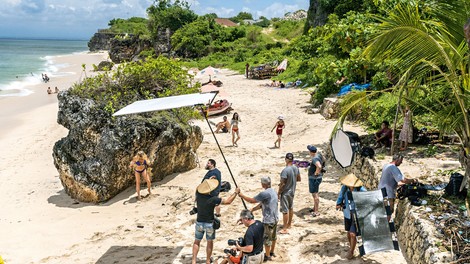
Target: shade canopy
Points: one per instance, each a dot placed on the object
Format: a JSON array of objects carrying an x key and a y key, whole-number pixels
[
  {"x": 166, "y": 103},
  {"x": 343, "y": 147},
  {"x": 212, "y": 88}
]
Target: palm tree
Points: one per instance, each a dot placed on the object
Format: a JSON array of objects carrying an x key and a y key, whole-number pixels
[{"x": 428, "y": 44}]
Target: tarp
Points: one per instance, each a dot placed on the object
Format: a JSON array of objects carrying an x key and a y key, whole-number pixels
[
  {"x": 352, "y": 86},
  {"x": 282, "y": 66},
  {"x": 166, "y": 103},
  {"x": 373, "y": 223}
]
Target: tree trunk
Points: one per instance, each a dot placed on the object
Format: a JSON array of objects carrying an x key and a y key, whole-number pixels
[{"x": 466, "y": 30}]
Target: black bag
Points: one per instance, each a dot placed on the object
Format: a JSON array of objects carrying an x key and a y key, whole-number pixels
[
  {"x": 216, "y": 223},
  {"x": 411, "y": 190},
  {"x": 368, "y": 152},
  {"x": 225, "y": 186},
  {"x": 323, "y": 164},
  {"x": 453, "y": 187}
]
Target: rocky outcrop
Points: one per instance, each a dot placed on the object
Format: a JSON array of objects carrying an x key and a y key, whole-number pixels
[
  {"x": 127, "y": 48},
  {"x": 295, "y": 16},
  {"x": 330, "y": 109},
  {"x": 101, "y": 41},
  {"x": 93, "y": 159},
  {"x": 316, "y": 15}
]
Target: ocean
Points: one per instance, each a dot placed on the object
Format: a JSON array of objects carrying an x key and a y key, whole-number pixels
[{"x": 22, "y": 61}]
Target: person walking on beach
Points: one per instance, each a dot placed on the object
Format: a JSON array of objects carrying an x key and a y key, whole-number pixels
[
  {"x": 279, "y": 126},
  {"x": 392, "y": 177},
  {"x": 205, "y": 204},
  {"x": 267, "y": 201},
  {"x": 290, "y": 175},
  {"x": 140, "y": 163},
  {"x": 315, "y": 176},
  {"x": 235, "y": 132},
  {"x": 350, "y": 184},
  {"x": 406, "y": 133}
]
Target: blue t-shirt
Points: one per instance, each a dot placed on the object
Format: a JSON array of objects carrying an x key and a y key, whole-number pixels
[
  {"x": 343, "y": 199},
  {"x": 311, "y": 170},
  {"x": 214, "y": 172},
  {"x": 269, "y": 204}
]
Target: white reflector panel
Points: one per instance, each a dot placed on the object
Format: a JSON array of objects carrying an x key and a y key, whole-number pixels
[{"x": 167, "y": 103}]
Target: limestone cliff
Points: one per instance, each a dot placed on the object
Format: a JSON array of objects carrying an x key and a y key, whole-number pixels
[{"x": 93, "y": 159}]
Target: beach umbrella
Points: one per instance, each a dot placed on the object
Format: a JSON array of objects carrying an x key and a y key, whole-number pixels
[
  {"x": 212, "y": 88},
  {"x": 343, "y": 146},
  {"x": 165, "y": 103},
  {"x": 209, "y": 71}
]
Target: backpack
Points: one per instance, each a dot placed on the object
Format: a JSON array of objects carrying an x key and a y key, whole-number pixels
[{"x": 453, "y": 187}]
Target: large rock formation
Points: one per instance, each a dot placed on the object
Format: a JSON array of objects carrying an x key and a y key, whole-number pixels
[
  {"x": 127, "y": 48},
  {"x": 316, "y": 15},
  {"x": 93, "y": 159}
]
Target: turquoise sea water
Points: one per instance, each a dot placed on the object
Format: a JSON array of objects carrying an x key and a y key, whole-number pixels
[{"x": 22, "y": 61}]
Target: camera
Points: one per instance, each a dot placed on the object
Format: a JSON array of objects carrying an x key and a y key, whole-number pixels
[
  {"x": 230, "y": 251},
  {"x": 233, "y": 242},
  {"x": 193, "y": 211}
]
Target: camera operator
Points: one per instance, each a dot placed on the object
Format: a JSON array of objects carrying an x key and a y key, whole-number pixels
[
  {"x": 205, "y": 215},
  {"x": 252, "y": 246}
]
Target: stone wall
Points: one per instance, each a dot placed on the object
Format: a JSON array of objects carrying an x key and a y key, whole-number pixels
[
  {"x": 415, "y": 235},
  {"x": 417, "y": 242}
]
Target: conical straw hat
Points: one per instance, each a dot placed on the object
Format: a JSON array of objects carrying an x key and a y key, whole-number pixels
[
  {"x": 351, "y": 180},
  {"x": 208, "y": 186}
]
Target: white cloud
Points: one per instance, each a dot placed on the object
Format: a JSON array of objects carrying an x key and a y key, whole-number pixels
[
  {"x": 277, "y": 10},
  {"x": 221, "y": 12}
]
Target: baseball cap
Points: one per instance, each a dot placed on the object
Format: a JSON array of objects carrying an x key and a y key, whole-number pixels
[
  {"x": 312, "y": 148},
  {"x": 290, "y": 156}
]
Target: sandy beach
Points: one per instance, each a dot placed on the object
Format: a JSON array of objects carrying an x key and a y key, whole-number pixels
[{"x": 39, "y": 223}]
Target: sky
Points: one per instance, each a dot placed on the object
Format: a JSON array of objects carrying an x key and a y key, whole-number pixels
[{"x": 80, "y": 19}]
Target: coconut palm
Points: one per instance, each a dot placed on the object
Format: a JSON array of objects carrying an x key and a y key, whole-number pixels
[{"x": 428, "y": 45}]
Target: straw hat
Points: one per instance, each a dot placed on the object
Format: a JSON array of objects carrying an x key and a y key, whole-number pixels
[
  {"x": 208, "y": 186},
  {"x": 351, "y": 180}
]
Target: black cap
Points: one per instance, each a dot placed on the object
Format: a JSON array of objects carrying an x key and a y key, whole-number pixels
[{"x": 290, "y": 156}]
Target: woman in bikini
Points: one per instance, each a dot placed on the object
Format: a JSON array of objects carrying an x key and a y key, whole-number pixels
[
  {"x": 140, "y": 163},
  {"x": 234, "y": 123},
  {"x": 279, "y": 126}
]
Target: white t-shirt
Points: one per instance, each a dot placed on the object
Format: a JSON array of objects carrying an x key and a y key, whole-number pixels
[{"x": 391, "y": 175}]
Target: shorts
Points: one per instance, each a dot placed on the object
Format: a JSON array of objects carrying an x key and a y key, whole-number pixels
[
  {"x": 270, "y": 233},
  {"x": 314, "y": 184},
  {"x": 202, "y": 228},
  {"x": 287, "y": 202},
  {"x": 349, "y": 225},
  {"x": 255, "y": 259},
  {"x": 224, "y": 129}
]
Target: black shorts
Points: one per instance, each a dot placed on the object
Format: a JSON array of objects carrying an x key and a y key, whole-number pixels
[
  {"x": 349, "y": 225},
  {"x": 224, "y": 129}
]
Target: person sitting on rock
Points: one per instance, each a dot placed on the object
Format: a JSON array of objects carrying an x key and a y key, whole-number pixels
[{"x": 224, "y": 126}]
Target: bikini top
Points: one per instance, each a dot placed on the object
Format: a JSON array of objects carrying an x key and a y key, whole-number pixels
[
  {"x": 234, "y": 122},
  {"x": 139, "y": 164}
]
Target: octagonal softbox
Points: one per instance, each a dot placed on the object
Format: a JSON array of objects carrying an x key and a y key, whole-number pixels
[{"x": 344, "y": 146}]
